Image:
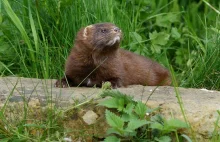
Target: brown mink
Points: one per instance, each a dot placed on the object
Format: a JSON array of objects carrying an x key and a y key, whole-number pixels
[{"x": 97, "y": 58}]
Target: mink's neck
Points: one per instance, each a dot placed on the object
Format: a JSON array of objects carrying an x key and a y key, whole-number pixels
[
  {"x": 96, "y": 56},
  {"x": 103, "y": 56}
]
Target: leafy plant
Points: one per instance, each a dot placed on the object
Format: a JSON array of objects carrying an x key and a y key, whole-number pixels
[{"x": 132, "y": 120}]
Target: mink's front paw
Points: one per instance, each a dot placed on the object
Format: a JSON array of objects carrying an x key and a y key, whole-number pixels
[
  {"x": 116, "y": 84},
  {"x": 61, "y": 83}
]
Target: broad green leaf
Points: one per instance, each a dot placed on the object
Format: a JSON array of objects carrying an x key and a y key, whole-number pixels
[
  {"x": 175, "y": 124},
  {"x": 110, "y": 103},
  {"x": 112, "y": 139},
  {"x": 113, "y": 131},
  {"x": 121, "y": 104},
  {"x": 157, "y": 118},
  {"x": 117, "y": 103},
  {"x": 134, "y": 124},
  {"x": 156, "y": 125},
  {"x": 116, "y": 94},
  {"x": 166, "y": 20},
  {"x": 156, "y": 48},
  {"x": 174, "y": 33},
  {"x": 140, "y": 109},
  {"x": 163, "y": 139},
  {"x": 126, "y": 117},
  {"x": 173, "y": 17},
  {"x": 135, "y": 37},
  {"x": 113, "y": 120},
  {"x": 162, "y": 22},
  {"x": 160, "y": 38},
  {"x": 130, "y": 134},
  {"x": 129, "y": 108}
]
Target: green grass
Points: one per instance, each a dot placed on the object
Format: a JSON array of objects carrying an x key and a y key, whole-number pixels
[
  {"x": 36, "y": 37},
  {"x": 28, "y": 121}
]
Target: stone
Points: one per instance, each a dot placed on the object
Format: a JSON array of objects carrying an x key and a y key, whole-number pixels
[
  {"x": 67, "y": 139},
  {"x": 90, "y": 117},
  {"x": 200, "y": 105},
  {"x": 16, "y": 99}
]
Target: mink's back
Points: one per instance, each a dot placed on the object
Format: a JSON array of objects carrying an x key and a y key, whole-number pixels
[{"x": 142, "y": 70}]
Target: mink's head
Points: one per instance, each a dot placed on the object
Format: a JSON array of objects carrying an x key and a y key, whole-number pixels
[{"x": 101, "y": 36}]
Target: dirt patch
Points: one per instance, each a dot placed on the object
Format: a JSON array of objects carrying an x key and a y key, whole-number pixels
[{"x": 70, "y": 121}]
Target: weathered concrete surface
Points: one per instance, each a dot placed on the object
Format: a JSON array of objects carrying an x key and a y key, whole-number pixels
[{"x": 200, "y": 105}]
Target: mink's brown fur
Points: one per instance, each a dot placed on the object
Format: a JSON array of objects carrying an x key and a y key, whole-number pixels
[{"x": 97, "y": 58}]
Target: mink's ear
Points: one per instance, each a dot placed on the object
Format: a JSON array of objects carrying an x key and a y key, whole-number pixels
[{"x": 86, "y": 30}]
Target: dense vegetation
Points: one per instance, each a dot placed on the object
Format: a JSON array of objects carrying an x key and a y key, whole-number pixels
[{"x": 37, "y": 35}]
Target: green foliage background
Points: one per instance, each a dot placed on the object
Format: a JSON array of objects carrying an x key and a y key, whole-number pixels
[{"x": 37, "y": 35}]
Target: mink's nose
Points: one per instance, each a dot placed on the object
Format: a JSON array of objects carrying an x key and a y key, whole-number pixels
[{"x": 117, "y": 30}]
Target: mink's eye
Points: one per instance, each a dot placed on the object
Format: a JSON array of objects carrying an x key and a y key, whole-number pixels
[{"x": 103, "y": 30}]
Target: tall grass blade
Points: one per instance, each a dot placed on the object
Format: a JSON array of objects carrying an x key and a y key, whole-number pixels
[
  {"x": 7, "y": 100},
  {"x": 20, "y": 27},
  {"x": 179, "y": 99},
  {"x": 33, "y": 29},
  {"x": 217, "y": 11}
]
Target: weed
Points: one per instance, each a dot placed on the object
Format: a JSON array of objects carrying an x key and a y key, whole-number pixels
[{"x": 134, "y": 121}]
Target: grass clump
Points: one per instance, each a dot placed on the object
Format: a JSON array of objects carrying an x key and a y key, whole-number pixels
[
  {"x": 32, "y": 123},
  {"x": 27, "y": 120}
]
